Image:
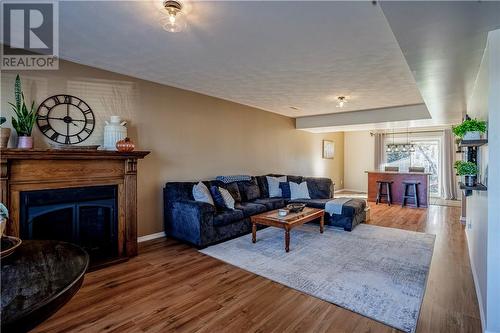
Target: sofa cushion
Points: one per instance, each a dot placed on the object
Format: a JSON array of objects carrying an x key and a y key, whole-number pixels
[
  {"x": 264, "y": 191},
  {"x": 227, "y": 217},
  {"x": 249, "y": 190},
  {"x": 271, "y": 203},
  {"x": 313, "y": 203},
  {"x": 234, "y": 190},
  {"x": 250, "y": 208},
  {"x": 295, "y": 179},
  {"x": 319, "y": 188}
]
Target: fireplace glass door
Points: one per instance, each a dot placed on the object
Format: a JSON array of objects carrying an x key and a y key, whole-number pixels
[{"x": 84, "y": 216}]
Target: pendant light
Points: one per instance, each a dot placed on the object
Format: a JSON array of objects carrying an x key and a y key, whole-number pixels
[{"x": 407, "y": 145}]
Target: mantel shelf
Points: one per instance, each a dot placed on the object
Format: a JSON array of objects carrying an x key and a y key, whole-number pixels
[
  {"x": 69, "y": 154},
  {"x": 478, "y": 187},
  {"x": 472, "y": 143}
]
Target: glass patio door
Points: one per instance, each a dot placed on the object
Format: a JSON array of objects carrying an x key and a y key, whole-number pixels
[{"x": 427, "y": 154}]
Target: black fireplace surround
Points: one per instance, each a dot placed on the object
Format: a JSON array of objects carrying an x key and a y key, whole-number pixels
[{"x": 86, "y": 216}]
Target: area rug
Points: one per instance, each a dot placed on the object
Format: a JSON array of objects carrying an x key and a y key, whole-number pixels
[{"x": 378, "y": 272}]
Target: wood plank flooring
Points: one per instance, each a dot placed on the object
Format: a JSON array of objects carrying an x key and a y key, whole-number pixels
[{"x": 170, "y": 287}]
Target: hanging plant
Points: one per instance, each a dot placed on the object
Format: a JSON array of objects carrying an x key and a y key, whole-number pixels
[{"x": 469, "y": 125}]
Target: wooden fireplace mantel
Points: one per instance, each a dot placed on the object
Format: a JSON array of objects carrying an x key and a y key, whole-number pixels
[{"x": 41, "y": 169}]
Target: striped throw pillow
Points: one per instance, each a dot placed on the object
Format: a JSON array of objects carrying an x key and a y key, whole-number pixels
[{"x": 228, "y": 198}]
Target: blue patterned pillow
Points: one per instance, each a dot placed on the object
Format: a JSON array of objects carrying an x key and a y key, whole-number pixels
[
  {"x": 218, "y": 199},
  {"x": 285, "y": 189}
]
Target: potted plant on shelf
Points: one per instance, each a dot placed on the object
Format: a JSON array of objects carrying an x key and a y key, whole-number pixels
[
  {"x": 470, "y": 129},
  {"x": 24, "y": 118},
  {"x": 4, "y": 133},
  {"x": 468, "y": 170}
]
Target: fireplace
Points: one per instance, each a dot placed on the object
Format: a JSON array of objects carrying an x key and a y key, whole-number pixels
[
  {"x": 86, "y": 216},
  {"x": 81, "y": 196}
]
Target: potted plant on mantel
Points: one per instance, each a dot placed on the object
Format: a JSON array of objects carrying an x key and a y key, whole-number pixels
[
  {"x": 470, "y": 129},
  {"x": 24, "y": 118},
  {"x": 4, "y": 133},
  {"x": 468, "y": 170}
]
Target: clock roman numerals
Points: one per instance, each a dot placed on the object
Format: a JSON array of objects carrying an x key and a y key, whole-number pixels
[
  {"x": 56, "y": 100},
  {"x": 45, "y": 128},
  {"x": 65, "y": 119}
]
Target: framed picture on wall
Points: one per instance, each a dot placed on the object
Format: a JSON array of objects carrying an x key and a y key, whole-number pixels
[{"x": 328, "y": 149}]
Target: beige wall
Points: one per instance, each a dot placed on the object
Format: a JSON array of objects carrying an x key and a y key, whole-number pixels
[
  {"x": 191, "y": 136},
  {"x": 359, "y": 148}
]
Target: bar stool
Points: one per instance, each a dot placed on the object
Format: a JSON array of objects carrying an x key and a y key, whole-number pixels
[
  {"x": 381, "y": 194},
  {"x": 406, "y": 195}
]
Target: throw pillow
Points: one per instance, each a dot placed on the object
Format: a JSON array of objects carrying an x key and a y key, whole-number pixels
[
  {"x": 299, "y": 191},
  {"x": 285, "y": 189},
  {"x": 228, "y": 199},
  {"x": 249, "y": 190},
  {"x": 201, "y": 193},
  {"x": 234, "y": 190},
  {"x": 217, "y": 196},
  {"x": 273, "y": 184}
]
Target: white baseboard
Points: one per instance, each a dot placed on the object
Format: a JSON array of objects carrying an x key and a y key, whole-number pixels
[
  {"x": 350, "y": 190},
  {"x": 150, "y": 237},
  {"x": 478, "y": 291}
]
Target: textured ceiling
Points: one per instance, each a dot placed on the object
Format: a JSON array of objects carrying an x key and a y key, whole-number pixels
[{"x": 271, "y": 55}]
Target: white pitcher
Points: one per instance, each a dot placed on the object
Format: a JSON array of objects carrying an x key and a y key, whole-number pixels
[{"x": 114, "y": 131}]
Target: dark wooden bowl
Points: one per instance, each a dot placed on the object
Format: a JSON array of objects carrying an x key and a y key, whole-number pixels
[
  {"x": 8, "y": 245},
  {"x": 295, "y": 207}
]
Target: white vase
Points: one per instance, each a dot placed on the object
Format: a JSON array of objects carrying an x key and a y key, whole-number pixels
[
  {"x": 476, "y": 135},
  {"x": 114, "y": 131}
]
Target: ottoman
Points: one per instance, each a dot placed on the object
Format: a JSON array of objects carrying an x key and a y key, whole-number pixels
[{"x": 353, "y": 213}]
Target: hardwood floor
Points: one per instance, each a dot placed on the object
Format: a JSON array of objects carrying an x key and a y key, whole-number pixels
[{"x": 171, "y": 287}]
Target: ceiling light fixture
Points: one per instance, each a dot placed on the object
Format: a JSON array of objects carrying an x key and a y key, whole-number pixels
[
  {"x": 341, "y": 101},
  {"x": 175, "y": 21}
]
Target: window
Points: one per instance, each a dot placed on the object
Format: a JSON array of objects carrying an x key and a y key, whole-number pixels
[{"x": 427, "y": 154}]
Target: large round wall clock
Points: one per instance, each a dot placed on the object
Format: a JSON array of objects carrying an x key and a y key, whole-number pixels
[{"x": 65, "y": 119}]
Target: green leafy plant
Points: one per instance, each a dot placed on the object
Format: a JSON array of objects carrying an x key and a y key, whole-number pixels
[
  {"x": 466, "y": 168},
  {"x": 469, "y": 125},
  {"x": 2, "y": 120},
  {"x": 26, "y": 118}
]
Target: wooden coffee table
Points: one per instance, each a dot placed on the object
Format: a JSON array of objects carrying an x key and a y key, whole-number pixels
[{"x": 288, "y": 222}]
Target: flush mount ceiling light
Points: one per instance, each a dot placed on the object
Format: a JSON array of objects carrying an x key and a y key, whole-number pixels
[
  {"x": 341, "y": 101},
  {"x": 174, "y": 22}
]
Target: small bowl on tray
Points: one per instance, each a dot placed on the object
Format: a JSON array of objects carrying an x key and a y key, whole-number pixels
[{"x": 295, "y": 207}]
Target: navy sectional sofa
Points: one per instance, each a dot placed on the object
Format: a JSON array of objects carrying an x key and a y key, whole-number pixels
[{"x": 202, "y": 224}]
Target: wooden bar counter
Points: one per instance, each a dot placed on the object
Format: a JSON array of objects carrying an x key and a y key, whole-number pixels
[{"x": 397, "y": 189}]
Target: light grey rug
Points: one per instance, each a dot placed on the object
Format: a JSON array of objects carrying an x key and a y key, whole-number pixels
[{"x": 378, "y": 272}]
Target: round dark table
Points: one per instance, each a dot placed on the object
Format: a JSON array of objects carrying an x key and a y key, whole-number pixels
[{"x": 38, "y": 279}]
